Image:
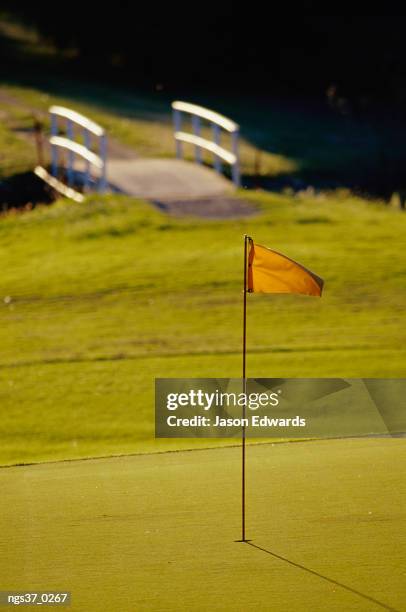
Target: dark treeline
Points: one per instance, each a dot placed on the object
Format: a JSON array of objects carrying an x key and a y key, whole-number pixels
[{"x": 358, "y": 61}]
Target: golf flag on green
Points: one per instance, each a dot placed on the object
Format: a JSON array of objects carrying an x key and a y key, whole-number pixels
[
  {"x": 272, "y": 272},
  {"x": 267, "y": 271}
]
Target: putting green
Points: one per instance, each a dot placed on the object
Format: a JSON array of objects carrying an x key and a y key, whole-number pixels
[{"x": 156, "y": 532}]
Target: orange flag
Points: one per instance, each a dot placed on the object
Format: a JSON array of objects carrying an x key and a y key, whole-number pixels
[{"x": 272, "y": 272}]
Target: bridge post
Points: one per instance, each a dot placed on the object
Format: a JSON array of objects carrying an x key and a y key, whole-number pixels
[
  {"x": 216, "y": 138},
  {"x": 235, "y": 169},
  {"x": 196, "y": 130},
  {"x": 177, "y": 121},
  {"x": 54, "y": 149},
  {"x": 103, "y": 155},
  {"x": 86, "y": 137},
  {"x": 69, "y": 169}
]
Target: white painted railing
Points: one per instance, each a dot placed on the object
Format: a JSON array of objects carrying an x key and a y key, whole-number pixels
[
  {"x": 76, "y": 124},
  {"x": 217, "y": 122}
]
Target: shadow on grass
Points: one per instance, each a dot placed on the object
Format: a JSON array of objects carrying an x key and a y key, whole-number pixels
[
  {"x": 24, "y": 189},
  {"x": 364, "y": 596}
]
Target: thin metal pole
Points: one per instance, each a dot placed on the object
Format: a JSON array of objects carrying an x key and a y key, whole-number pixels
[{"x": 244, "y": 346}]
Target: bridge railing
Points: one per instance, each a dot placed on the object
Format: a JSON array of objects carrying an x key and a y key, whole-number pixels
[
  {"x": 218, "y": 123},
  {"x": 78, "y": 125}
]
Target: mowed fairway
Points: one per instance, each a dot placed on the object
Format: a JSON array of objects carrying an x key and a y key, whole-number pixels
[
  {"x": 99, "y": 299},
  {"x": 156, "y": 532}
]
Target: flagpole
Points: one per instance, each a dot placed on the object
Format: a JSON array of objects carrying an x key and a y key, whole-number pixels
[{"x": 244, "y": 378}]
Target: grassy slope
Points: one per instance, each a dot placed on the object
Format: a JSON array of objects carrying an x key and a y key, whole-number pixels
[
  {"x": 108, "y": 295},
  {"x": 157, "y": 532},
  {"x": 16, "y": 154},
  {"x": 141, "y": 122}
]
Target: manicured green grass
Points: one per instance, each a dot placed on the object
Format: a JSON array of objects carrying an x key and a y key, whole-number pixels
[
  {"x": 157, "y": 532},
  {"x": 99, "y": 299}
]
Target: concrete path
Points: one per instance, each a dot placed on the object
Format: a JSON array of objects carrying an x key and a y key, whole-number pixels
[
  {"x": 178, "y": 187},
  {"x": 164, "y": 179}
]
